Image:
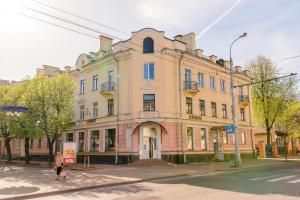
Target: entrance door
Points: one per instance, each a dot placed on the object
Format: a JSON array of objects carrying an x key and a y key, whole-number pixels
[{"x": 150, "y": 143}]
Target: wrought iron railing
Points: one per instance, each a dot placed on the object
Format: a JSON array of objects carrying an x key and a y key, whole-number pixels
[
  {"x": 108, "y": 86},
  {"x": 190, "y": 85},
  {"x": 243, "y": 99}
]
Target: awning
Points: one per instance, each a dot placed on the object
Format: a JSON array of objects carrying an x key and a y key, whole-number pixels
[{"x": 14, "y": 108}]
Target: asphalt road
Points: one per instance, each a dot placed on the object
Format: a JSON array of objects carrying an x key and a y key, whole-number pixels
[{"x": 274, "y": 183}]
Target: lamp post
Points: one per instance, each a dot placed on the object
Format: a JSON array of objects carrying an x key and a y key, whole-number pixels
[{"x": 238, "y": 160}]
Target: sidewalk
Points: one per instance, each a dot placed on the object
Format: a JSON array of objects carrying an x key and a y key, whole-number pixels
[{"x": 38, "y": 180}]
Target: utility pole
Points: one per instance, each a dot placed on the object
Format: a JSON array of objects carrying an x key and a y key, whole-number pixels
[{"x": 238, "y": 161}]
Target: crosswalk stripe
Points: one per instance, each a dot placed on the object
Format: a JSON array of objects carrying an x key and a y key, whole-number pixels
[
  {"x": 295, "y": 181},
  {"x": 282, "y": 178},
  {"x": 261, "y": 178}
]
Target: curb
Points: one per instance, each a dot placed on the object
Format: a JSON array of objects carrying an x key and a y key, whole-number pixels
[{"x": 44, "y": 194}]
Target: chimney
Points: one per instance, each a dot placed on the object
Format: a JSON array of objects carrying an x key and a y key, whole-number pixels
[
  {"x": 226, "y": 64},
  {"x": 238, "y": 69},
  {"x": 67, "y": 68},
  {"x": 105, "y": 43},
  {"x": 189, "y": 39},
  {"x": 199, "y": 52},
  {"x": 213, "y": 58}
]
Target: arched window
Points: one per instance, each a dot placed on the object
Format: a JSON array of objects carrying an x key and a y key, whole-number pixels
[{"x": 148, "y": 45}]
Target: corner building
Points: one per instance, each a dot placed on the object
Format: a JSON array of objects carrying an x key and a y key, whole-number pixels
[
  {"x": 152, "y": 97},
  {"x": 155, "y": 97}
]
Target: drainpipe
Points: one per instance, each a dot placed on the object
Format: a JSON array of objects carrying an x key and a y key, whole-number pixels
[
  {"x": 180, "y": 105},
  {"x": 118, "y": 108}
]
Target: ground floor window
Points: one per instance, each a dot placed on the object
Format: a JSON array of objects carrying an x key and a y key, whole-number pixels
[
  {"x": 69, "y": 137},
  {"x": 110, "y": 139},
  {"x": 203, "y": 139},
  {"x": 226, "y": 139},
  {"x": 39, "y": 143},
  {"x": 80, "y": 142},
  {"x": 190, "y": 138},
  {"x": 94, "y": 141},
  {"x": 244, "y": 137},
  {"x": 31, "y": 143}
]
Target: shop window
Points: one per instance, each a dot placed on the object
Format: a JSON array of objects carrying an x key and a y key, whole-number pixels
[
  {"x": 94, "y": 141},
  {"x": 81, "y": 142},
  {"x": 203, "y": 139},
  {"x": 110, "y": 139},
  {"x": 69, "y": 137},
  {"x": 190, "y": 138}
]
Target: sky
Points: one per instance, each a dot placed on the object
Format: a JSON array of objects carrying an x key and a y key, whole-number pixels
[{"x": 273, "y": 28}]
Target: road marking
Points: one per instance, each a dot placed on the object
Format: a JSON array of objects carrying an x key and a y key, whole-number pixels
[
  {"x": 282, "y": 178},
  {"x": 295, "y": 181},
  {"x": 261, "y": 178}
]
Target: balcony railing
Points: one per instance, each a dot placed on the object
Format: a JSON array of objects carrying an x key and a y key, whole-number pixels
[
  {"x": 190, "y": 86},
  {"x": 244, "y": 100},
  {"x": 108, "y": 87}
]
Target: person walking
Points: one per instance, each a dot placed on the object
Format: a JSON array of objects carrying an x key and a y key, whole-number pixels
[{"x": 59, "y": 164}]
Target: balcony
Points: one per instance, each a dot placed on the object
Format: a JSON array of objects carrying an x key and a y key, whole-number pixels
[
  {"x": 244, "y": 100},
  {"x": 190, "y": 87},
  {"x": 108, "y": 88}
]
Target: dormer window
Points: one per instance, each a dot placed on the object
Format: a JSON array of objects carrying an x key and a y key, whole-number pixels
[{"x": 148, "y": 45}]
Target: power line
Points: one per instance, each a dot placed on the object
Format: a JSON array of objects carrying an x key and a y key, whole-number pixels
[
  {"x": 71, "y": 22},
  {"x": 267, "y": 80},
  {"x": 80, "y": 17},
  {"x": 288, "y": 58},
  {"x": 96, "y": 31},
  {"x": 90, "y": 20},
  {"x": 57, "y": 25}
]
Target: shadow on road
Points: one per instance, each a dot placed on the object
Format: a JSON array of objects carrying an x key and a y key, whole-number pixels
[{"x": 249, "y": 181}]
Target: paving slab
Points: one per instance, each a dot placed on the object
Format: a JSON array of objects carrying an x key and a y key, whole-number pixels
[{"x": 21, "y": 180}]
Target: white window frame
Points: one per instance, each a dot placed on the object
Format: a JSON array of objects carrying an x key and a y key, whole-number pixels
[
  {"x": 95, "y": 82},
  {"x": 244, "y": 137},
  {"x": 223, "y": 85},
  {"x": 82, "y": 86},
  {"x": 95, "y": 108},
  {"x": 212, "y": 82},
  {"x": 206, "y": 138}
]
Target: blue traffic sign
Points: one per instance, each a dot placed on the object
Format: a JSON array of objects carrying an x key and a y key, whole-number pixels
[{"x": 229, "y": 128}]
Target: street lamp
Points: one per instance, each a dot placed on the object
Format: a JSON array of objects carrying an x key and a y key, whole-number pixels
[{"x": 238, "y": 160}]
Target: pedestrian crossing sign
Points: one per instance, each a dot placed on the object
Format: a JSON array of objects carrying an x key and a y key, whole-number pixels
[{"x": 229, "y": 128}]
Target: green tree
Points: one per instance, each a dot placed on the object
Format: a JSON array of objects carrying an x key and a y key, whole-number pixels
[
  {"x": 10, "y": 95},
  {"x": 289, "y": 120},
  {"x": 51, "y": 102},
  {"x": 269, "y": 97}
]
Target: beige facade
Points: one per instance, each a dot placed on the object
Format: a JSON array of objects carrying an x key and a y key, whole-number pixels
[{"x": 169, "y": 102}]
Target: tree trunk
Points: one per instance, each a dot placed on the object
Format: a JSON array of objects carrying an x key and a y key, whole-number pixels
[
  {"x": 26, "y": 146},
  {"x": 8, "y": 149},
  {"x": 268, "y": 131},
  {"x": 50, "y": 155}
]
